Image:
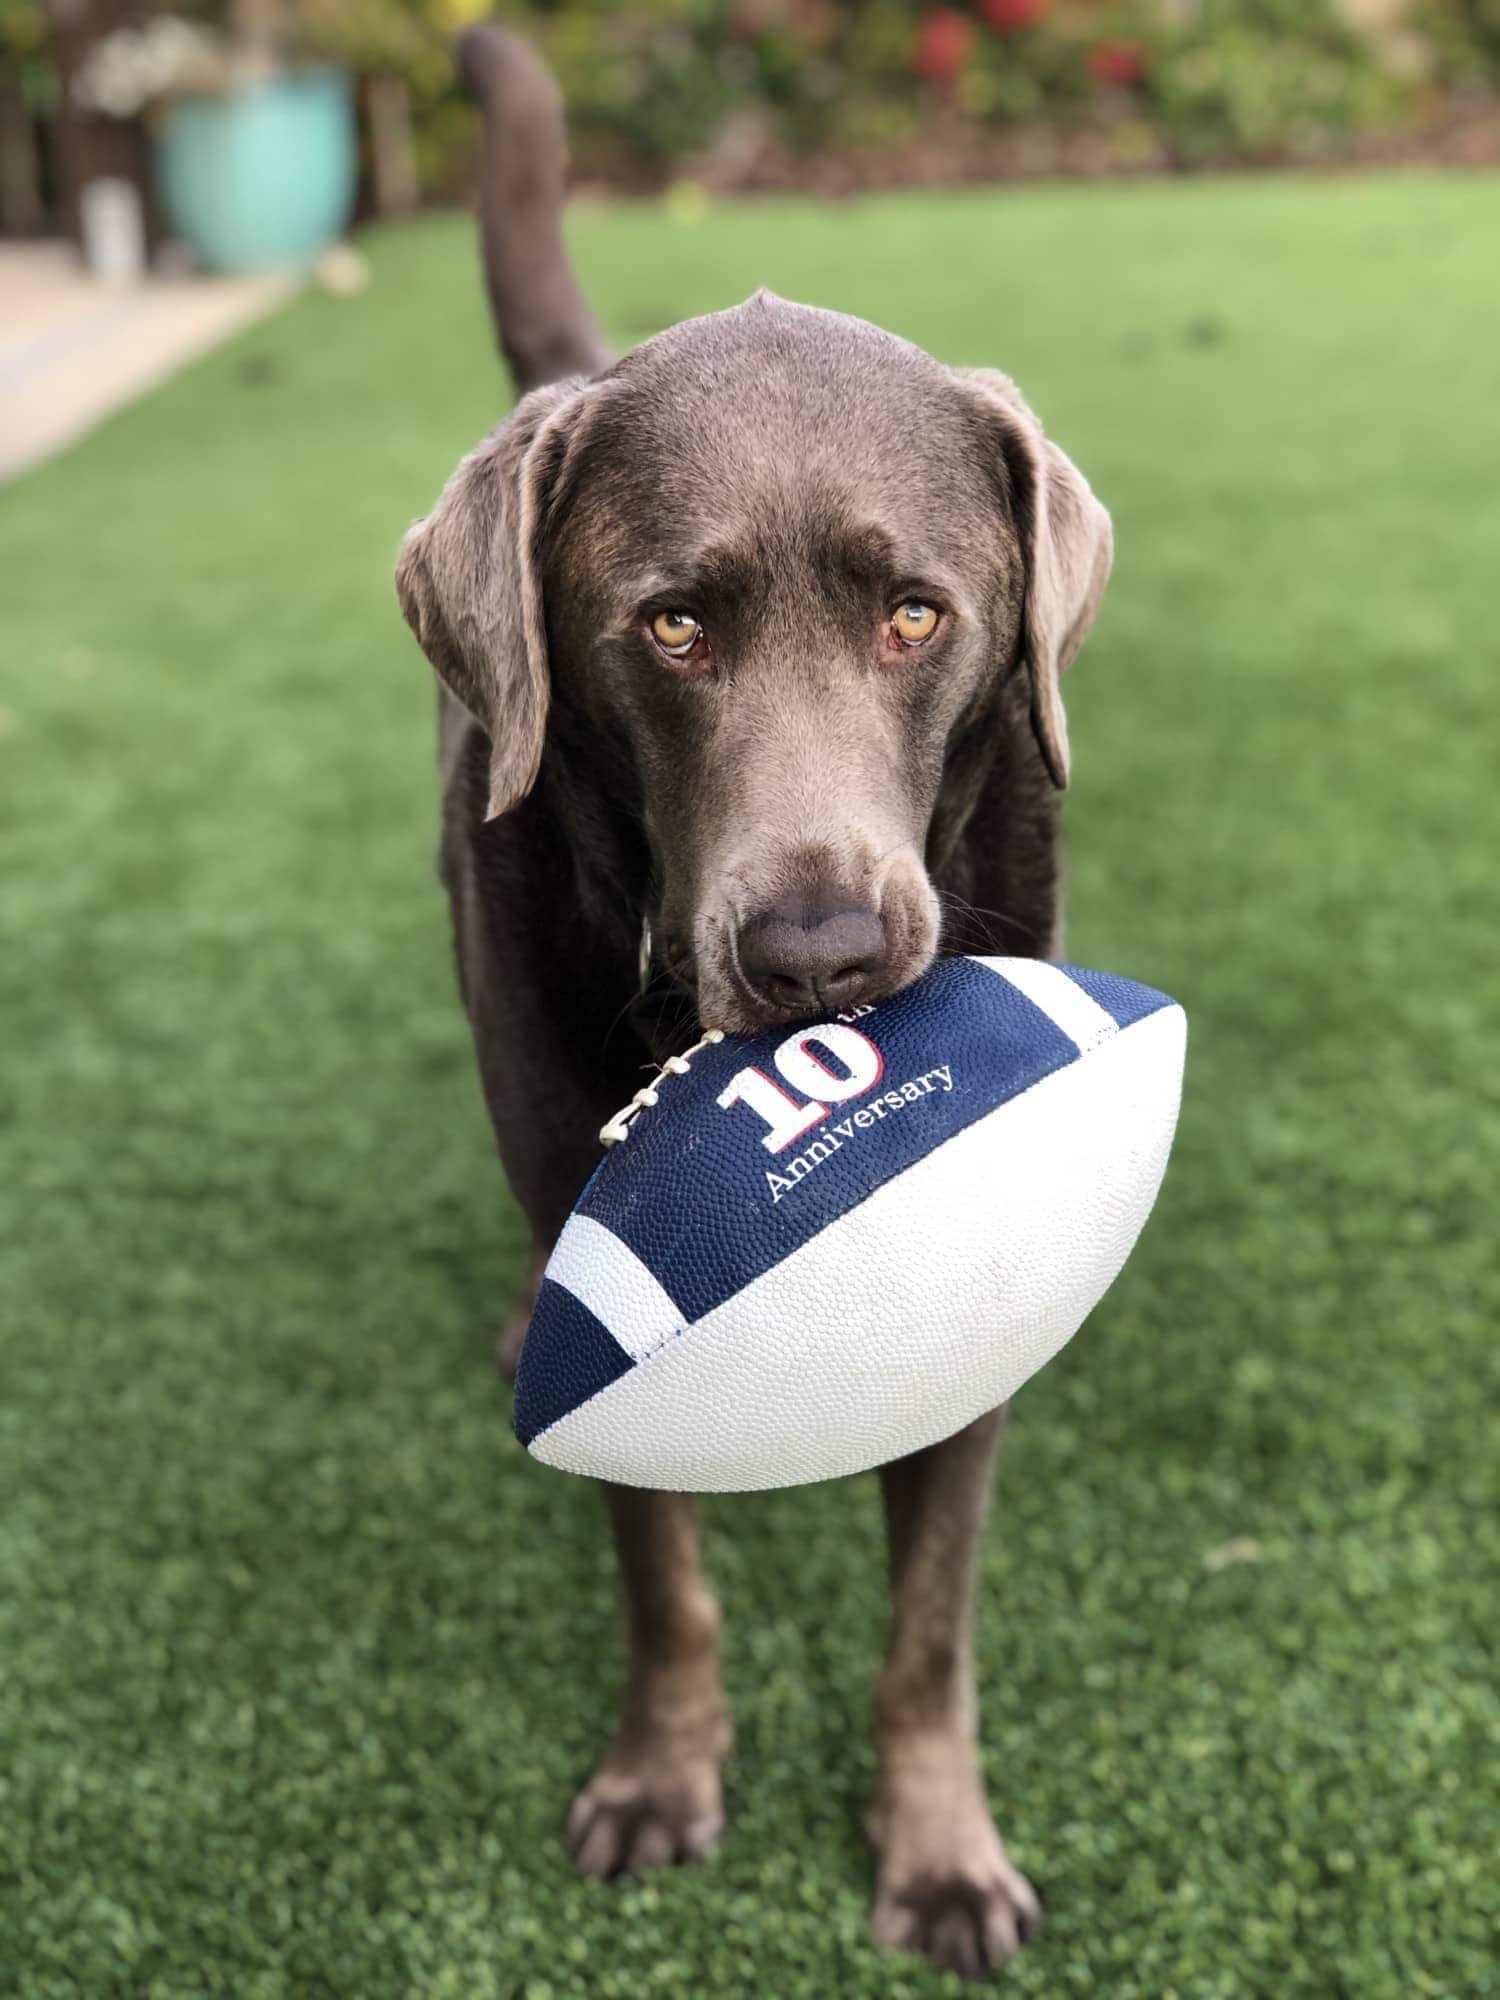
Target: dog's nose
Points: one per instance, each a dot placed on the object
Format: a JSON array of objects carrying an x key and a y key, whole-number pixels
[{"x": 812, "y": 955}]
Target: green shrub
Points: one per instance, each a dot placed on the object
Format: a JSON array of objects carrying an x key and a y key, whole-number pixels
[
  {"x": 1228, "y": 80},
  {"x": 657, "y": 88},
  {"x": 1465, "y": 39},
  {"x": 1252, "y": 79}
]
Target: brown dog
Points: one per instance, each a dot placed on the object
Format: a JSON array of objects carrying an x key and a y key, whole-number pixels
[{"x": 750, "y": 645}]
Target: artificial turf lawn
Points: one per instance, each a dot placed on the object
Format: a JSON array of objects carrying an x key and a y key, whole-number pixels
[{"x": 300, "y": 1660}]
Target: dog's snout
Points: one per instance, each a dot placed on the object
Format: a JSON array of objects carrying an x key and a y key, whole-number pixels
[{"x": 802, "y": 955}]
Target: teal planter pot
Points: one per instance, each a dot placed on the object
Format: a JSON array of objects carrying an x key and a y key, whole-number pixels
[{"x": 264, "y": 177}]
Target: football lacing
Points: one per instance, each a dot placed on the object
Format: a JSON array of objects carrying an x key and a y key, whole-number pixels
[{"x": 618, "y": 1127}]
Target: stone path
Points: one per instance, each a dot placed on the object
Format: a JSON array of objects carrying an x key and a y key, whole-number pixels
[{"x": 72, "y": 349}]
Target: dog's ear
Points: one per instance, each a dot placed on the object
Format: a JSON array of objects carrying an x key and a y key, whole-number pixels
[
  {"x": 1067, "y": 545},
  {"x": 469, "y": 580}
]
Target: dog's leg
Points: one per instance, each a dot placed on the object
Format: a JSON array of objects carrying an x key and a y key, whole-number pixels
[
  {"x": 657, "y": 1795},
  {"x": 945, "y": 1886},
  {"x": 508, "y": 1346}
]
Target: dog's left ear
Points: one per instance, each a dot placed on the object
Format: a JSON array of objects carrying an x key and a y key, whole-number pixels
[{"x": 1067, "y": 544}]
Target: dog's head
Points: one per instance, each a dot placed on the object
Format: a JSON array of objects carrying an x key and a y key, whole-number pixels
[{"x": 777, "y": 563}]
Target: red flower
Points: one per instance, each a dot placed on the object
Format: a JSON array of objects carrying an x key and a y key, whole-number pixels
[
  {"x": 1009, "y": 17},
  {"x": 1116, "y": 64},
  {"x": 944, "y": 39}
]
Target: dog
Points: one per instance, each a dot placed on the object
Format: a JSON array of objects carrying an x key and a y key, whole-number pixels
[{"x": 749, "y": 646}]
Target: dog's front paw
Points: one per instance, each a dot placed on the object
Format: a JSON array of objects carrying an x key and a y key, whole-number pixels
[
  {"x": 948, "y": 1890},
  {"x": 646, "y": 1814}
]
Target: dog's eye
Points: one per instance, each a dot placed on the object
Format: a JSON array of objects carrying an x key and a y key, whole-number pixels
[
  {"x": 914, "y": 623},
  {"x": 676, "y": 632}
]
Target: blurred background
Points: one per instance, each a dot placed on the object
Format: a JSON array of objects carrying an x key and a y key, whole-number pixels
[
  {"x": 300, "y": 1659},
  {"x": 243, "y": 138},
  {"x": 744, "y": 93}
]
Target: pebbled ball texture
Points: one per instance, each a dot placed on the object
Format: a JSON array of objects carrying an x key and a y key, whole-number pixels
[{"x": 825, "y": 1248}]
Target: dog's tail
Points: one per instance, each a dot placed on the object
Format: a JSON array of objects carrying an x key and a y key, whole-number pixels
[{"x": 542, "y": 322}]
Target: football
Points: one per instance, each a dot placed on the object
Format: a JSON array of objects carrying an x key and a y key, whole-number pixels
[{"x": 814, "y": 1250}]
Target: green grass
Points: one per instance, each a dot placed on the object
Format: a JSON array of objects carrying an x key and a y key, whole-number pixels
[{"x": 299, "y": 1659}]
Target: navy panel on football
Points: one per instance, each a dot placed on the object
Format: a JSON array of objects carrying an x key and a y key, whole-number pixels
[
  {"x": 700, "y": 1207},
  {"x": 557, "y": 1376},
  {"x": 1124, "y": 999}
]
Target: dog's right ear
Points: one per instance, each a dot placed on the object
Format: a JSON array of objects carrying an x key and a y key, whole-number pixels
[{"x": 469, "y": 580}]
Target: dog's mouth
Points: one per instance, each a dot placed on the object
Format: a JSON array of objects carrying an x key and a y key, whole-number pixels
[
  {"x": 679, "y": 997},
  {"x": 730, "y": 999},
  {"x": 873, "y": 933},
  {"x": 746, "y": 1012},
  {"x": 664, "y": 1013}
]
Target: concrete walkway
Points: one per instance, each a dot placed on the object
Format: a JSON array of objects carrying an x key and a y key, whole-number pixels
[{"x": 72, "y": 349}]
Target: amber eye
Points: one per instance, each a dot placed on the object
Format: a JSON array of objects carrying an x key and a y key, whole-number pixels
[
  {"x": 914, "y": 623},
  {"x": 676, "y": 631}
]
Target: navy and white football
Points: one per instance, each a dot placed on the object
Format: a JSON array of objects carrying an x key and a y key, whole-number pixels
[{"x": 812, "y": 1252}]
